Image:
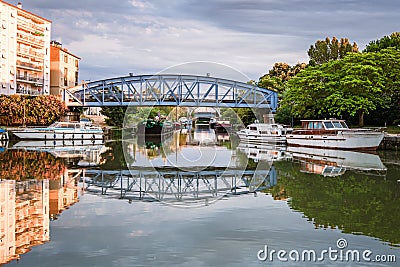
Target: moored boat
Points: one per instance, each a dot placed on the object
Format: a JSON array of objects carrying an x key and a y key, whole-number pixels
[
  {"x": 155, "y": 127},
  {"x": 334, "y": 134},
  {"x": 3, "y": 135},
  {"x": 61, "y": 131},
  {"x": 223, "y": 126},
  {"x": 265, "y": 132}
]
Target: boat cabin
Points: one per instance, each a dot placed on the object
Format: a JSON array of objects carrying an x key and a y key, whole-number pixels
[{"x": 330, "y": 124}]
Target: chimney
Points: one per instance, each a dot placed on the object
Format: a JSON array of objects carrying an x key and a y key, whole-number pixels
[{"x": 19, "y": 5}]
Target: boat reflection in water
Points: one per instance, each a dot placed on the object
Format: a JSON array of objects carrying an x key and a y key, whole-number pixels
[
  {"x": 204, "y": 135},
  {"x": 264, "y": 151},
  {"x": 86, "y": 152},
  {"x": 333, "y": 162}
]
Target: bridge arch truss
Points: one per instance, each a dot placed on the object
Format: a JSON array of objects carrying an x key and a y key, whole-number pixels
[{"x": 170, "y": 90}]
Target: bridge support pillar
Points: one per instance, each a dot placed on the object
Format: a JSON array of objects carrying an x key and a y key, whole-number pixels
[{"x": 269, "y": 118}]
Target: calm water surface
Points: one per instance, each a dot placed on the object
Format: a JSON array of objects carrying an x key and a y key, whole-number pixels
[{"x": 201, "y": 200}]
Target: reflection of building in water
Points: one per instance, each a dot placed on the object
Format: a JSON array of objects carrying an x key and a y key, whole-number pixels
[
  {"x": 31, "y": 214},
  {"x": 24, "y": 217},
  {"x": 26, "y": 208},
  {"x": 7, "y": 221},
  {"x": 63, "y": 193}
]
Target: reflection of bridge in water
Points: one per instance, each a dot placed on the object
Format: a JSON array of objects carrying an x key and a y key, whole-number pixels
[{"x": 176, "y": 186}]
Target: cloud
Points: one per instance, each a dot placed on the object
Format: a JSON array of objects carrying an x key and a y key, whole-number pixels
[{"x": 114, "y": 38}]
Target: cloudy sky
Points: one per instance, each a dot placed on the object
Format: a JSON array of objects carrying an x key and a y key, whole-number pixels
[{"x": 114, "y": 38}]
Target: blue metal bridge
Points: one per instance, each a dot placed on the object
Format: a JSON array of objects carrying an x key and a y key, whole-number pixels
[{"x": 170, "y": 90}]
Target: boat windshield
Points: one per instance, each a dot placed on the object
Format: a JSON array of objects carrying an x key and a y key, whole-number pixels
[
  {"x": 54, "y": 125},
  {"x": 63, "y": 125},
  {"x": 328, "y": 125},
  {"x": 335, "y": 124}
]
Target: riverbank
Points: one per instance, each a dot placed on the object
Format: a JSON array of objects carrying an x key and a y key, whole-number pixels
[{"x": 390, "y": 142}]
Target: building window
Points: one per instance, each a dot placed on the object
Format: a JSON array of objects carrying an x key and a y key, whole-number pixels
[
  {"x": 76, "y": 63},
  {"x": 65, "y": 77},
  {"x": 76, "y": 78},
  {"x": 66, "y": 58}
]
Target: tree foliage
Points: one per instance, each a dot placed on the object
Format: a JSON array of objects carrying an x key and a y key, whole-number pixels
[
  {"x": 30, "y": 110},
  {"x": 115, "y": 115},
  {"x": 355, "y": 85},
  {"x": 325, "y": 50},
  {"x": 280, "y": 73},
  {"x": 392, "y": 40}
]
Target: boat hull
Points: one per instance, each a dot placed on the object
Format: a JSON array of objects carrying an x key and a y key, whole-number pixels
[{"x": 352, "y": 140}]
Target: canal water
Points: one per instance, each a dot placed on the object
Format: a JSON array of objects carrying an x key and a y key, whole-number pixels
[{"x": 196, "y": 200}]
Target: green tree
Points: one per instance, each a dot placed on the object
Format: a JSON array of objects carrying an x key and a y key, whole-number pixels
[
  {"x": 355, "y": 85},
  {"x": 246, "y": 115},
  {"x": 393, "y": 40},
  {"x": 279, "y": 74},
  {"x": 115, "y": 115},
  {"x": 325, "y": 50}
]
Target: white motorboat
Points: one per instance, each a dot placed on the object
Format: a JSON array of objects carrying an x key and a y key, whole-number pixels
[
  {"x": 61, "y": 131},
  {"x": 265, "y": 132},
  {"x": 333, "y": 133}
]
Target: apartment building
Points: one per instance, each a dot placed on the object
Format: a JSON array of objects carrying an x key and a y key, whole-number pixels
[
  {"x": 64, "y": 68},
  {"x": 25, "y": 51}
]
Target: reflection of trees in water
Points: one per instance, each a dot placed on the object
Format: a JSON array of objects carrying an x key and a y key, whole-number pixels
[
  {"x": 113, "y": 158},
  {"x": 353, "y": 202},
  {"x": 22, "y": 165}
]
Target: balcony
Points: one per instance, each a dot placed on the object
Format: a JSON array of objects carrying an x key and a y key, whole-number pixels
[
  {"x": 29, "y": 66},
  {"x": 30, "y": 53},
  {"x": 23, "y": 24},
  {"x": 25, "y": 91},
  {"x": 24, "y": 38},
  {"x": 28, "y": 79}
]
